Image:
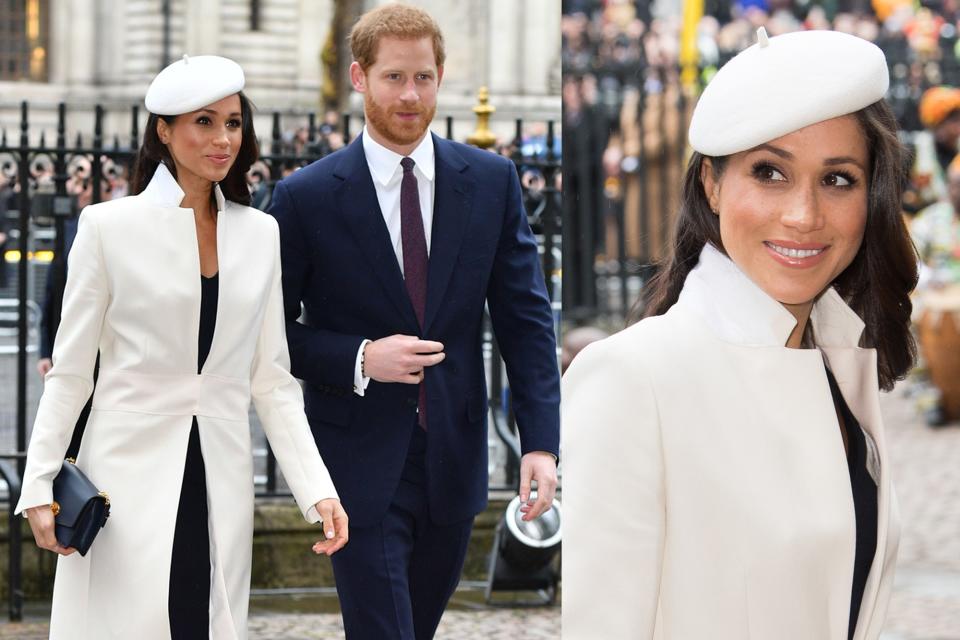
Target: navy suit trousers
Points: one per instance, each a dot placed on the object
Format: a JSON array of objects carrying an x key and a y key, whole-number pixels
[{"x": 394, "y": 578}]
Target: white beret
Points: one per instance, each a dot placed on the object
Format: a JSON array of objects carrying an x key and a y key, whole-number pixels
[
  {"x": 192, "y": 83},
  {"x": 783, "y": 84}
]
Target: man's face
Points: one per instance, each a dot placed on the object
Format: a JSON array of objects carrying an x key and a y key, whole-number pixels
[
  {"x": 399, "y": 92},
  {"x": 953, "y": 188},
  {"x": 947, "y": 132}
]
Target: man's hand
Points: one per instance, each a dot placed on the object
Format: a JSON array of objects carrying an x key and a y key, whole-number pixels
[
  {"x": 400, "y": 358},
  {"x": 41, "y": 522},
  {"x": 335, "y": 527},
  {"x": 43, "y": 366},
  {"x": 539, "y": 467}
]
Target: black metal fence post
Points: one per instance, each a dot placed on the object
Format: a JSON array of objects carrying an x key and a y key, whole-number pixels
[
  {"x": 24, "y": 246},
  {"x": 59, "y": 264},
  {"x": 549, "y": 218},
  {"x": 96, "y": 164},
  {"x": 15, "y": 551}
]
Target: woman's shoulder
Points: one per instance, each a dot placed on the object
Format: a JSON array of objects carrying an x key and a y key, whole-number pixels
[
  {"x": 635, "y": 349},
  {"x": 109, "y": 210}
]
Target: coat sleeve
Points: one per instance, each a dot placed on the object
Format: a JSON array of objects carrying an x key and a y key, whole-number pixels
[
  {"x": 614, "y": 514},
  {"x": 278, "y": 400},
  {"x": 318, "y": 356},
  {"x": 69, "y": 383},
  {"x": 522, "y": 320}
]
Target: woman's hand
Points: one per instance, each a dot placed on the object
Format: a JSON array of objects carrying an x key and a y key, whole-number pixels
[
  {"x": 41, "y": 522},
  {"x": 334, "y": 527}
]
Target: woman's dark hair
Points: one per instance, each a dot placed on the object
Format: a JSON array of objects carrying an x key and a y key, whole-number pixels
[
  {"x": 234, "y": 186},
  {"x": 876, "y": 285}
]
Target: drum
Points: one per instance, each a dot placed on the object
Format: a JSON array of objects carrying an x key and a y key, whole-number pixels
[{"x": 939, "y": 333}]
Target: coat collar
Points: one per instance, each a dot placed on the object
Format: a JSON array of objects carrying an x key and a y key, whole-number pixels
[
  {"x": 163, "y": 190},
  {"x": 738, "y": 311}
]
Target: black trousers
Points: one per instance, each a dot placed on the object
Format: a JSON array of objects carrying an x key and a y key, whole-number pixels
[{"x": 189, "y": 600}]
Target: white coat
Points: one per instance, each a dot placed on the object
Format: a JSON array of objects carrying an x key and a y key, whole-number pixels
[
  {"x": 706, "y": 489},
  {"x": 133, "y": 292}
]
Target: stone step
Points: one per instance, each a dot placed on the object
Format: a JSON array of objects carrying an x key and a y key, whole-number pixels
[{"x": 282, "y": 558}]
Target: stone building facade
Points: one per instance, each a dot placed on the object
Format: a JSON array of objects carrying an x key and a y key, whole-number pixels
[{"x": 106, "y": 51}]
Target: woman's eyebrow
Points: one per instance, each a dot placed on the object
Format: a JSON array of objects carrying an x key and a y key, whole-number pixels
[
  {"x": 783, "y": 153},
  {"x": 845, "y": 160}
]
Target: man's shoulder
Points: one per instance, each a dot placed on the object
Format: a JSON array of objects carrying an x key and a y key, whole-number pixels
[
  {"x": 474, "y": 156},
  {"x": 316, "y": 175}
]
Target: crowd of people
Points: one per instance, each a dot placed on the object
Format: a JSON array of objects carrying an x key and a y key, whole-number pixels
[{"x": 627, "y": 101}]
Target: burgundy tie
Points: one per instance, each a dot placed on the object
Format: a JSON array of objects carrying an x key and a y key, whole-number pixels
[{"x": 414, "y": 259}]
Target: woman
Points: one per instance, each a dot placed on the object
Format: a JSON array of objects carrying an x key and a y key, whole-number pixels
[
  {"x": 725, "y": 469},
  {"x": 178, "y": 288}
]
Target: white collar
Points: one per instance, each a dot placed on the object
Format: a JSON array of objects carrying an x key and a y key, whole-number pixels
[
  {"x": 164, "y": 190},
  {"x": 383, "y": 162},
  {"x": 739, "y": 311}
]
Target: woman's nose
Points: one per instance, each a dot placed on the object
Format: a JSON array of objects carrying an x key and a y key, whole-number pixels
[{"x": 801, "y": 210}]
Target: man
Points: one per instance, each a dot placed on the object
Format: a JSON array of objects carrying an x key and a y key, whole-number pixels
[
  {"x": 392, "y": 245},
  {"x": 934, "y": 148}
]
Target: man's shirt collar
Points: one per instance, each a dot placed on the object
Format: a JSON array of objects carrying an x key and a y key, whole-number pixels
[{"x": 384, "y": 163}]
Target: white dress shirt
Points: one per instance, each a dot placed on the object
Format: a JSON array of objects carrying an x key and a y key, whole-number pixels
[{"x": 387, "y": 176}]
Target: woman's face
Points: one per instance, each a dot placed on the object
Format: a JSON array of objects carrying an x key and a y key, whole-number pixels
[
  {"x": 204, "y": 143},
  {"x": 792, "y": 211}
]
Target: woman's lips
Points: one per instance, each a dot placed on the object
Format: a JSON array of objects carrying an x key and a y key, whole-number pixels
[
  {"x": 796, "y": 254},
  {"x": 219, "y": 159}
]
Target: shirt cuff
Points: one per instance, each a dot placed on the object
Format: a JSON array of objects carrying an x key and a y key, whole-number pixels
[
  {"x": 555, "y": 458},
  {"x": 360, "y": 381}
]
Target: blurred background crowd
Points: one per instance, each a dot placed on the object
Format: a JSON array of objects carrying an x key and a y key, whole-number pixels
[{"x": 632, "y": 72}]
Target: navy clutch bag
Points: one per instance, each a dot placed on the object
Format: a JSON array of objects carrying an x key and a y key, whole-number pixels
[{"x": 79, "y": 509}]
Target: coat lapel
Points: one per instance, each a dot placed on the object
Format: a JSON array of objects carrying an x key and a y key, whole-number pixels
[
  {"x": 357, "y": 203},
  {"x": 452, "y": 198},
  {"x": 856, "y": 372}
]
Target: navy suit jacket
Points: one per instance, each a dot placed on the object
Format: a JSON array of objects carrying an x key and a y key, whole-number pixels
[{"x": 338, "y": 261}]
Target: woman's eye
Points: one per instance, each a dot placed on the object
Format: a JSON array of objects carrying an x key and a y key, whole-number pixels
[
  {"x": 767, "y": 173},
  {"x": 234, "y": 124},
  {"x": 203, "y": 120},
  {"x": 839, "y": 179}
]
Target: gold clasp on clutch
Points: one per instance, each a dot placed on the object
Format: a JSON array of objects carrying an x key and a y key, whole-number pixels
[
  {"x": 105, "y": 496},
  {"x": 55, "y": 507},
  {"x": 71, "y": 460}
]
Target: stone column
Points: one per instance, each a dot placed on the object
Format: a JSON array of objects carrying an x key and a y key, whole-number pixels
[
  {"x": 540, "y": 44},
  {"x": 506, "y": 20},
  {"x": 312, "y": 34},
  {"x": 202, "y": 29},
  {"x": 73, "y": 43}
]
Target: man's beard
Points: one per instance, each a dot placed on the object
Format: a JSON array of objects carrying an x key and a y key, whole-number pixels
[{"x": 397, "y": 132}]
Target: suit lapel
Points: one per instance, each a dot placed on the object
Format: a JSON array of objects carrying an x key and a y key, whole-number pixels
[
  {"x": 452, "y": 197},
  {"x": 358, "y": 204}
]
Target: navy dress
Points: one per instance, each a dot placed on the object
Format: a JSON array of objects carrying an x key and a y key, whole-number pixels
[
  {"x": 864, "y": 502},
  {"x": 189, "y": 600}
]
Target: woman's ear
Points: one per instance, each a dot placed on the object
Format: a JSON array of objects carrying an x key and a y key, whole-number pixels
[
  {"x": 711, "y": 186},
  {"x": 163, "y": 131}
]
